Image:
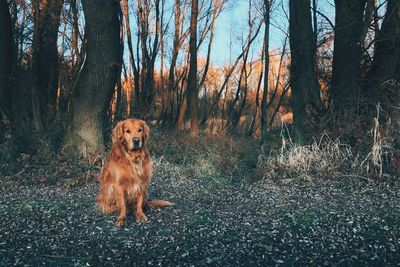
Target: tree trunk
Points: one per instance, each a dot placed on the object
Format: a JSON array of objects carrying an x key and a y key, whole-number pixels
[
  {"x": 387, "y": 53},
  {"x": 212, "y": 26},
  {"x": 125, "y": 10},
  {"x": 192, "y": 92},
  {"x": 163, "y": 89},
  {"x": 181, "y": 118},
  {"x": 143, "y": 31},
  {"x": 21, "y": 27},
  {"x": 264, "y": 106},
  {"x": 168, "y": 107},
  {"x": 181, "y": 99},
  {"x": 240, "y": 87},
  {"x": 368, "y": 17},
  {"x": 76, "y": 60},
  {"x": 149, "y": 81},
  {"x": 254, "y": 126},
  {"x": 346, "y": 72},
  {"x": 45, "y": 65},
  {"x": 149, "y": 54},
  {"x": 7, "y": 64},
  {"x": 95, "y": 84},
  {"x": 120, "y": 111},
  {"x": 383, "y": 81},
  {"x": 7, "y": 60},
  {"x": 305, "y": 89},
  {"x": 235, "y": 115}
]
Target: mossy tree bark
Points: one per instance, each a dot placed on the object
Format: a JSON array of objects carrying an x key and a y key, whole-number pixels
[{"x": 96, "y": 81}]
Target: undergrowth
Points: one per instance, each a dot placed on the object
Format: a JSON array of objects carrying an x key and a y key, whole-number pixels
[
  {"x": 223, "y": 159},
  {"x": 218, "y": 159},
  {"x": 325, "y": 158},
  {"x": 322, "y": 159}
]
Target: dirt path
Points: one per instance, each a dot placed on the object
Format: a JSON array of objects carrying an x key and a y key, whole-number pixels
[{"x": 212, "y": 224}]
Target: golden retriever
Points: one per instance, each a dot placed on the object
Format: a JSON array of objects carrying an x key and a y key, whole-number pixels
[{"x": 126, "y": 175}]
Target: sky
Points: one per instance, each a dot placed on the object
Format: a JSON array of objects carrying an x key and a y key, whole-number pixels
[{"x": 232, "y": 22}]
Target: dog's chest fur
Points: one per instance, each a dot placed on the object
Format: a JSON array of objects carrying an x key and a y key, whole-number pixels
[
  {"x": 137, "y": 166},
  {"x": 137, "y": 162}
]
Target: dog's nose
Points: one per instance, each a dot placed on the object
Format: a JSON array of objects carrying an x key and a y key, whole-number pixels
[{"x": 136, "y": 141}]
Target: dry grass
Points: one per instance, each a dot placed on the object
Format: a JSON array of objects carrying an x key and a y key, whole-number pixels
[
  {"x": 324, "y": 158},
  {"x": 382, "y": 149},
  {"x": 327, "y": 159}
]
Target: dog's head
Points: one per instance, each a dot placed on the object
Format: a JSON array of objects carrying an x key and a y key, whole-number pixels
[{"x": 132, "y": 133}]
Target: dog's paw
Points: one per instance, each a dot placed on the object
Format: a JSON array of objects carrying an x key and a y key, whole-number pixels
[
  {"x": 121, "y": 222},
  {"x": 141, "y": 218}
]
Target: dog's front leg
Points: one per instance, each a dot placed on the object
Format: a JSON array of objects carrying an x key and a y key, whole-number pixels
[
  {"x": 121, "y": 206},
  {"x": 140, "y": 217}
]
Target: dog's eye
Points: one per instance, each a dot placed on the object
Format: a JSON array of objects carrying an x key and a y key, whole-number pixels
[
  {"x": 128, "y": 131},
  {"x": 140, "y": 130}
]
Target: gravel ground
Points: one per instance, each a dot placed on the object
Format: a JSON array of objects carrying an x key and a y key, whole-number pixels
[{"x": 317, "y": 223}]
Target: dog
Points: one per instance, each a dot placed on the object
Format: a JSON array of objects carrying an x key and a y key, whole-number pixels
[{"x": 126, "y": 176}]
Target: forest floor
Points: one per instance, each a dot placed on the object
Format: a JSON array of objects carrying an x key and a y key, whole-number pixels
[{"x": 224, "y": 222}]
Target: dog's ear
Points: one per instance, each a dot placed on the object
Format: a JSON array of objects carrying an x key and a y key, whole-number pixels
[
  {"x": 117, "y": 133},
  {"x": 146, "y": 131}
]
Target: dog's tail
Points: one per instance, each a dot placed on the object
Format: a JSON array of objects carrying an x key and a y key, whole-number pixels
[{"x": 155, "y": 203}]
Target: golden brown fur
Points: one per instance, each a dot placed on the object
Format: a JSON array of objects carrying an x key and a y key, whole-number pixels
[{"x": 126, "y": 175}]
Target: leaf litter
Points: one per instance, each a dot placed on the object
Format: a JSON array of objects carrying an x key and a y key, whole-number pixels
[{"x": 322, "y": 223}]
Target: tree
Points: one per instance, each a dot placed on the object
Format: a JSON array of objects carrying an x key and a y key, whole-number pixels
[
  {"x": 149, "y": 52},
  {"x": 71, "y": 64},
  {"x": 264, "y": 106},
  {"x": 192, "y": 90},
  {"x": 7, "y": 60},
  {"x": 7, "y": 65},
  {"x": 305, "y": 89},
  {"x": 168, "y": 101},
  {"x": 216, "y": 10},
  {"x": 242, "y": 83},
  {"x": 45, "y": 66},
  {"x": 135, "y": 70},
  {"x": 346, "y": 72},
  {"x": 383, "y": 81},
  {"x": 96, "y": 81},
  {"x": 386, "y": 64}
]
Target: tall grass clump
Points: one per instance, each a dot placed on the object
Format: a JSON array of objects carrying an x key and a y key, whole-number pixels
[
  {"x": 324, "y": 158},
  {"x": 327, "y": 158},
  {"x": 381, "y": 156}
]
